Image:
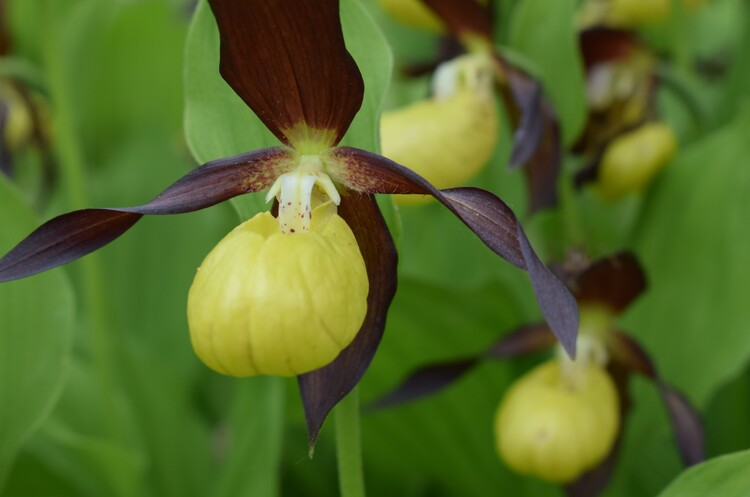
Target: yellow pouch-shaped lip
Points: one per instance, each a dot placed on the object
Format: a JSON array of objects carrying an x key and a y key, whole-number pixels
[
  {"x": 413, "y": 13},
  {"x": 633, "y": 159},
  {"x": 264, "y": 302},
  {"x": 557, "y": 431},
  {"x": 446, "y": 141}
]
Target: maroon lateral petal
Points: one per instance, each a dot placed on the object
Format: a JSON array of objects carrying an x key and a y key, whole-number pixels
[
  {"x": 685, "y": 420},
  {"x": 433, "y": 378},
  {"x": 73, "y": 235},
  {"x": 630, "y": 355},
  {"x": 6, "y": 161},
  {"x": 527, "y": 95},
  {"x": 323, "y": 388},
  {"x": 485, "y": 214},
  {"x": 463, "y": 18},
  {"x": 427, "y": 380},
  {"x": 594, "y": 481},
  {"x": 288, "y": 62},
  {"x": 601, "y": 45},
  {"x": 537, "y": 139},
  {"x": 686, "y": 424},
  {"x": 614, "y": 281},
  {"x": 523, "y": 340}
]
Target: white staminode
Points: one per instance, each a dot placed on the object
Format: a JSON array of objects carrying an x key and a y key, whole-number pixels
[{"x": 294, "y": 191}]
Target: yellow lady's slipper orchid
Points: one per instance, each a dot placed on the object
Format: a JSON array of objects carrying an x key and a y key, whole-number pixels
[
  {"x": 630, "y": 13},
  {"x": 264, "y": 302},
  {"x": 19, "y": 125},
  {"x": 446, "y": 139},
  {"x": 557, "y": 426},
  {"x": 632, "y": 160},
  {"x": 413, "y": 13}
]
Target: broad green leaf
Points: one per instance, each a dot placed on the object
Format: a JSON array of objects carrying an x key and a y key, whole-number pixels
[
  {"x": 219, "y": 124},
  {"x": 694, "y": 242},
  {"x": 725, "y": 476},
  {"x": 95, "y": 466},
  {"x": 546, "y": 33},
  {"x": 255, "y": 428},
  {"x": 36, "y": 324}
]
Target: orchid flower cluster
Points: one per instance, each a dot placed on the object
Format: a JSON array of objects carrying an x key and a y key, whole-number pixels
[
  {"x": 563, "y": 420},
  {"x": 463, "y": 103},
  {"x": 302, "y": 290}
]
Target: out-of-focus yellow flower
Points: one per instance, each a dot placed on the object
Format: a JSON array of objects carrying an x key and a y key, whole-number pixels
[
  {"x": 446, "y": 139},
  {"x": 630, "y": 13},
  {"x": 555, "y": 425},
  {"x": 633, "y": 159},
  {"x": 265, "y": 302},
  {"x": 413, "y": 13},
  {"x": 18, "y": 121}
]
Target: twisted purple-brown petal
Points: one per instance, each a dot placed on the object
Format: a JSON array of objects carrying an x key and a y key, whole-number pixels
[
  {"x": 323, "y": 388},
  {"x": 433, "y": 378},
  {"x": 485, "y": 214},
  {"x": 73, "y": 235},
  {"x": 287, "y": 60},
  {"x": 686, "y": 423},
  {"x": 537, "y": 141}
]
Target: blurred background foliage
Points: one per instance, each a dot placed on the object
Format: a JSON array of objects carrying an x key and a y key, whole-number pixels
[{"x": 100, "y": 393}]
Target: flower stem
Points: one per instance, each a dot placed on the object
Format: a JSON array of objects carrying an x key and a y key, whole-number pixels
[
  {"x": 569, "y": 210},
  {"x": 349, "y": 446}
]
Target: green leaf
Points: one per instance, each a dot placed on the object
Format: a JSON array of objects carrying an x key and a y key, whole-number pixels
[
  {"x": 36, "y": 324},
  {"x": 726, "y": 476},
  {"x": 694, "y": 244},
  {"x": 255, "y": 430},
  {"x": 545, "y": 32},
  {"x": 219, "y": 124}
]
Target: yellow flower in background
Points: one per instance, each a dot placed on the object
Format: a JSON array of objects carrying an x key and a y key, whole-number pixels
[
  {"x": 413, "y": 13},
  {"x": 450, "y": 137},
  {"x": 630, "y": 13},
  {"x": 632, "y": 160},
  {"x": 16, "y": 123}
]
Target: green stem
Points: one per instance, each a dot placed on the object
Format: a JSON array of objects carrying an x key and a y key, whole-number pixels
[
  {"x": 71, "y": 163},
  {"x": 569, "y": 209},
  {"x": 349, "y": 446}
]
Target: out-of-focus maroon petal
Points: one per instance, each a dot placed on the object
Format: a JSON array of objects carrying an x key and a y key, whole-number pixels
[
  {"x": 602, "y": 45},
  {"x": 427, "y": 380},
  {"x": 684, "y": 418},
  {"x": 524, "y": 340},
  {"x": 435, "y": 377},
  {"x": 73, "y": 235},
  {"x": 323, "y": 388},
  {"x": 485, "y": 214},
  {"x": 527, "y": 95},
  {"x": 287, "y": 60},
  {"x": 594, "y": 481},
  {"x": 614, "y": 281},
  {"x": 6, "y": 161},
  {"x": 537, "y": 140},
  {"x": 686, "y": 424},
  {"x": 464, "y": 18}
]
